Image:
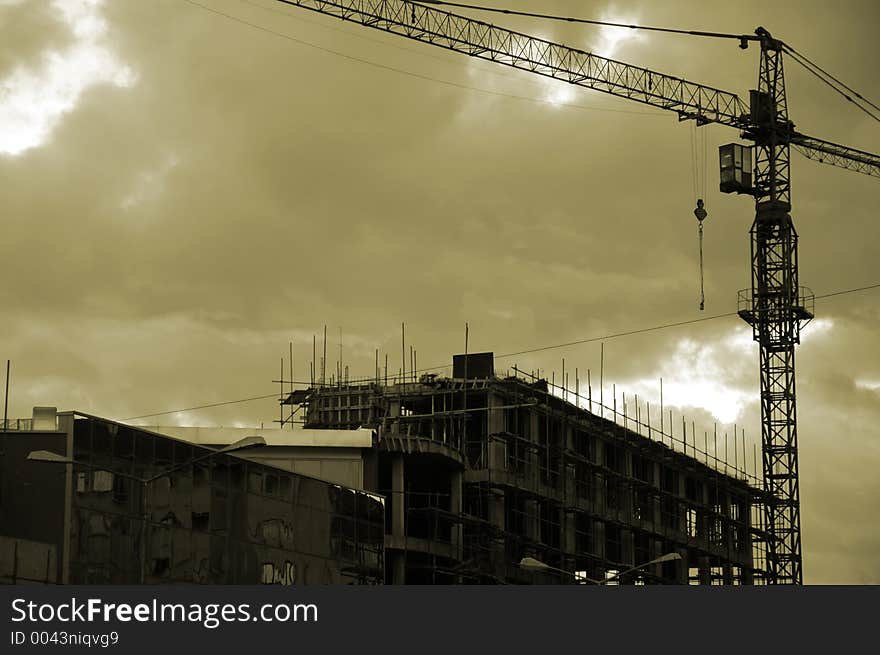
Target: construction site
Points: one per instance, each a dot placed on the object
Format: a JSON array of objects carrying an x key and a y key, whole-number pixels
[
  {"x": 482, "y": 470},
  {"x": 485, "y": 471},
  {"x": 479, "y": 474}
]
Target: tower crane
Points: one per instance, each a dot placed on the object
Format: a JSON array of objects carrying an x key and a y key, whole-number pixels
[{"x": 776, "y": 306}]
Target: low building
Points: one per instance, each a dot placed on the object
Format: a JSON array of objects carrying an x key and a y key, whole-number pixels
[{"x": 135, "y": 506}]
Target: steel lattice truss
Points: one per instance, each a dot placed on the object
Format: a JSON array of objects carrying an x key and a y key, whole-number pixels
[
  {"x": 778, "y": 309},
  {"x": 479, "y": 39},
  {"x": 836, "y": 155}
]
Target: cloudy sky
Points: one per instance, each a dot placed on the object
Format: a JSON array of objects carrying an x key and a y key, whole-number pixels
[{"x": 185, "y": 189}]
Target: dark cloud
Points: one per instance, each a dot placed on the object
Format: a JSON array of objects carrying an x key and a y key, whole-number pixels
[{"x": 170, "y": 237}]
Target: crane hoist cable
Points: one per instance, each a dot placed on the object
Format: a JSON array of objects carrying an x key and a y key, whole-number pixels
[{"x": 699, "y": 170}]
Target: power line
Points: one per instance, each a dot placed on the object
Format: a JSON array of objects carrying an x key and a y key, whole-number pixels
[
  {"x": 190, "y": 409},
  {"x": 616, "y": 335},
  {"x": 604, "y": 23},
  {"x": 606, "y": 337},
  {"x": 846, "y": 291},
  {"x": 821, "y": 75},
  {"x": 412, "y": 74},
  {"x": 665, "y": 326},
  {"x": 792, "y": 51}
]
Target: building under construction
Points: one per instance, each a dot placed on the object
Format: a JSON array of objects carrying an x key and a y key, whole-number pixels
[{"x": 482, "y": 470}]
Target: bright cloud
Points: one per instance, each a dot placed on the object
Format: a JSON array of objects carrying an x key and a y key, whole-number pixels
[
  {"x": 148, "y": 184},
  {"x": 34, "y": 99},
  {"x": 817, "y": 328},
  {"x": 559, "y": 93},
  {"x": 709, "y": 375},
  {"x": 704, "y": 375},
  {"x": 611, "y": 39}
]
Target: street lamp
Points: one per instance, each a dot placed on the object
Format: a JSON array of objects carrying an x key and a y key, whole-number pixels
[
  {"x": 54, "y": 458},
  {"x": 532, "y": 564}
]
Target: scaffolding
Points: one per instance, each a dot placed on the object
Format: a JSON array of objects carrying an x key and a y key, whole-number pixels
[{"x": 483, "y": 471}]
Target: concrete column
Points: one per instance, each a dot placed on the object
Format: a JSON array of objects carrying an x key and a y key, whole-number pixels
[
  {"x": 398, "y": 573},
  {"x": 394, "y": 413},
  {"x": 745, "y": 554},
  {"x": 599, "y": 538},
  {"x": 682, "y": 494},
  {"x": 682, "y": 491},
  {"x": 533, "y": 473},
  {"x": 657, "y": 515},
  {"x": 704, "y": 517},
  {"x": 705, "y": 571},
  {"x": 398, "y": 496},
  {"x": 65, "y": 424},
  {"x": 496, "y": 508},
  {"x": 626, "y": 493},
  {"x": 532, "y": 520},
  {"x": 496, "y": 416},
  {"x": 569, "y": 486},
  {"x": 497, "y": 454},
  {"x": 727, "y": 572},
  {"x": 681, "y": 567},
  {"x": 599, "y": 482},
  {"x": 657, "y": 511},
  {"x": 496, "y": 518},
  {"x": 569, "y": 482},
  {"x": 655, "y": 551},
  {"x": 627, "y": 547},
  {"x": 455, "y": 506},
  {"x": 568, "y": 538},
  {"x": 398, "y": 514},
  {"x": 726, "y": 525}
]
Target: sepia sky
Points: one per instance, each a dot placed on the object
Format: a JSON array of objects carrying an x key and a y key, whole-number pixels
[{"x": 184, "y": 193}]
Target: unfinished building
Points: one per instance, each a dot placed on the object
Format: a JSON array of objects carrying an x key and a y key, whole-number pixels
[{"x": 481, "y": 471}]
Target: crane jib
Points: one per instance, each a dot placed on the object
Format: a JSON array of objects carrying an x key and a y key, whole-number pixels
[
  {"x": 486, "y": 41},
  {"x": 689, "y": 100}
]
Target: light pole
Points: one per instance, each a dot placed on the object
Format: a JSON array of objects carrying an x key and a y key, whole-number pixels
[
  {"x": 532, "y": 564},
  {"x": 54, "y": 458}
]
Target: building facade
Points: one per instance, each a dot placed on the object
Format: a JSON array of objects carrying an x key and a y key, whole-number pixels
[
  {"x": 206, "y": 518},
  {"x": 480, "y": 471}
]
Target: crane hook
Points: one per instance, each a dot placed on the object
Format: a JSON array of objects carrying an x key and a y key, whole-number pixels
[{"x": 701, "y": 213}]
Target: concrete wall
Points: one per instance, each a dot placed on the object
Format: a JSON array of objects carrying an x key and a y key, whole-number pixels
[
  {"x": 23, "y": 561},
  {"x": 332, "y": 455},
  {"x": 345, "y": 467},
  {"x": 32, "y": 494}
]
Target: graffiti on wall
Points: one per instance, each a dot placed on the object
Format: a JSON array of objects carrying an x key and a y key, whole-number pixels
[{"x": 284, "y": 575}]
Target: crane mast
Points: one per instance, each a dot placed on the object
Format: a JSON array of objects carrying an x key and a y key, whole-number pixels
[{"x": 775, "y": 306}]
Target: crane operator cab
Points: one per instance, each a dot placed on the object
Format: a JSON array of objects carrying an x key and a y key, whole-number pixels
[{"x": 736, "y": 168}]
